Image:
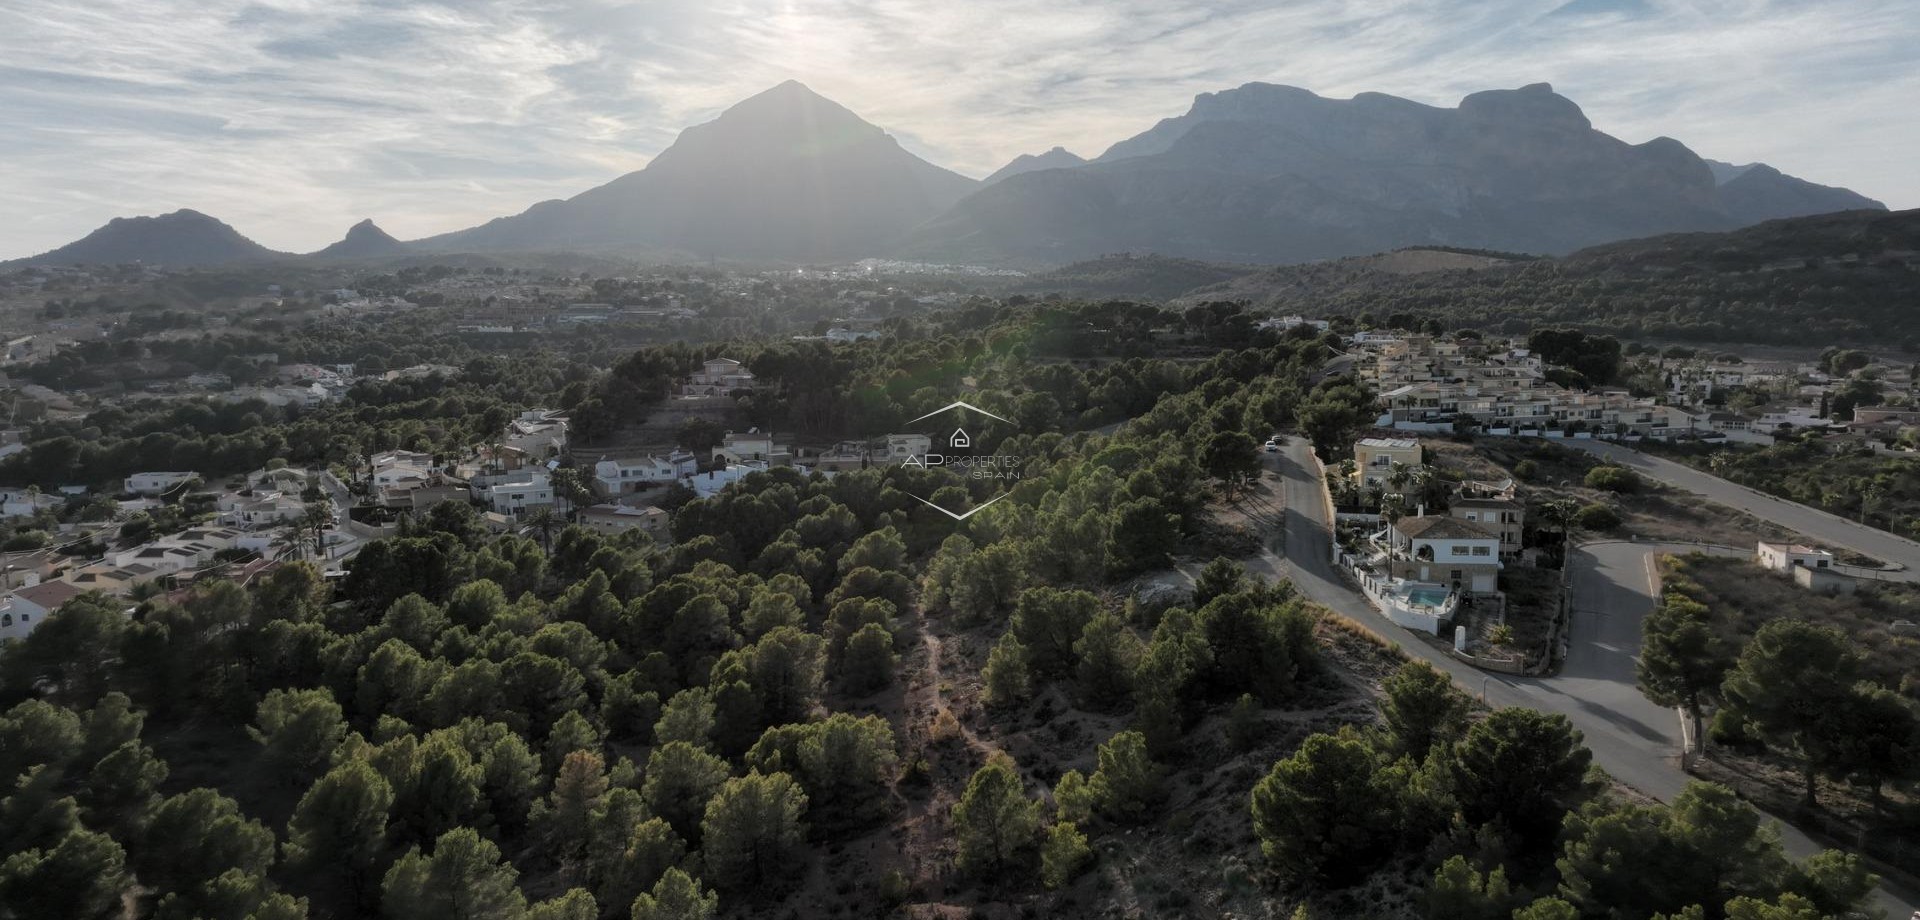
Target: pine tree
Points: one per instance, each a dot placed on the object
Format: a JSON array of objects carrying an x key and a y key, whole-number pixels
[
  {"x": 752, "y": 833},
  {"x": 1421, "y": 708},
  {"x": 1064, "y": 855},
  {"x": 1006, "y": 679},
  {"x": 869, "y": 661},
  {"x": 677, "y": 896},
  {"x": 464, "y": 878},
  {"x": 1325, "y": 815},
  {"x": 81, "y": 878},
  {"x": 1127, "y": 788},
  {"x": 340, "y": 825},
  {"x": 563, "y": 820},
  {"x": 1108, "y": 652},
  {"x": 680, "y": 780},
  {"x": 994, "y": 823}
]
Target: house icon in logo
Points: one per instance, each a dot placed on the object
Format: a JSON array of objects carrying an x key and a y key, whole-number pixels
[{"x": 959, "y": 438}]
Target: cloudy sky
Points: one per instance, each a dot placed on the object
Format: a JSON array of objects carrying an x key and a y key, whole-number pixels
[{"x": 292, "y": 119}]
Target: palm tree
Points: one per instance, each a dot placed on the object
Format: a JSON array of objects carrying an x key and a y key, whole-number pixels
[
  {"x": 312, "y": 526},
  {"x": 1397, "y": 476},
  {"x": 1393, "y": 508},
  {"x": 542, "y": 518},
  {"x": 1562, "y": 511}
]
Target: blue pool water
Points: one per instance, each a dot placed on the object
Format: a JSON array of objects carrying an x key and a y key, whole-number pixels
[{"x": 1426, "y": 597}]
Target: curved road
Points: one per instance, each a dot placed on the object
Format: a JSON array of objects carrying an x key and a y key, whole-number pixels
[
  {"x": 1822, "y": 526},
  {"x": 1632, "y": 739}
]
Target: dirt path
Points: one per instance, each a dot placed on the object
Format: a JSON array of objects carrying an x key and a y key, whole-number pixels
[{"x": 952, "y": 752}]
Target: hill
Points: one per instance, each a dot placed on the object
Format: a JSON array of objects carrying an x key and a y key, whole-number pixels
[
  {"x": 364, "y": 240},
  {"x": 1267, "y": 173},
  {"x": 1847, "y": 277},
  {"x": 784, "y": 175},
  {"x": 1057, "y": 158},
  {"x": 1125, "y": 275},
  {"x": 1292, "y": 285},
  {"x": 183, "y": 238}
]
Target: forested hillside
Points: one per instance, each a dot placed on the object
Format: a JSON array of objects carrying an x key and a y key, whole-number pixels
[
  {"x": 1849, "y": 277},
  {"x": 825, "y": 698}
]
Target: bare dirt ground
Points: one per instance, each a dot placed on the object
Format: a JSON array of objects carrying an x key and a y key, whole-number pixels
[
  {"x": 1654, "y": 512},
  {"x": 1198, "y": 859}
]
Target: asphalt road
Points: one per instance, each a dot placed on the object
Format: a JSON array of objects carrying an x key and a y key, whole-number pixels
[
  {"x": 1823, "y": 527},
  {"x": 1632, "y": 739}
]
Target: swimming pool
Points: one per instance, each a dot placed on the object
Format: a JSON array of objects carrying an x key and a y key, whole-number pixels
[{"x": 1427, "y": 597}]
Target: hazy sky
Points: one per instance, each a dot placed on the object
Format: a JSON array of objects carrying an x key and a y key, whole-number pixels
[{"x": 291, "y": 119}]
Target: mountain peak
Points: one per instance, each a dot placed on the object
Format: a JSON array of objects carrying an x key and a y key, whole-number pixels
[
  {"x": 1535, "y": 102},
  {"x": 1057, "y": 158},
  {"x": 364, "y": 240},
  {"x": 784, "y": 174}
]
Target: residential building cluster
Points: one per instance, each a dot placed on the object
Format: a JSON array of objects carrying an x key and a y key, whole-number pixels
[{"x": 1433, "y": 383}]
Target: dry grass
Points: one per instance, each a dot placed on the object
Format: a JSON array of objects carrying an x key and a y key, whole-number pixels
[
  {"x": 1743, "y": 597},
  {"x": 1654, "y": 512}
]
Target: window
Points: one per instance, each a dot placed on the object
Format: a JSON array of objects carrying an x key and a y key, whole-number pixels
[
  {"x": 1457, "y": 575},
  {"x": 1457, "y": 551},
  {"x": 1482, "y": 551},
  {"x": 6, "y": 619}
]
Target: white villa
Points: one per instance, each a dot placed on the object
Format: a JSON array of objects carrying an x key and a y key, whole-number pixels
[
  {"x": 157, "y": 482},
  {"x": 753, "y": 445},
  {"x": 516, "y": 497},
  {"x": 1785, "y": 557},
  {"x": 624, "y": 475},
  {"x": 1446, "y": 550},
  {"x": 718, "y": 377}
]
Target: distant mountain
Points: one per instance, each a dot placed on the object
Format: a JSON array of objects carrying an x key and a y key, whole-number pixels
[
  {"x": 1268, "y": 173},
  {"x": 1057, "y": 158},
  {"x": 364, "y": 240},
  {"x": 1849, "y": 277},
  {"x": 1761, "y": 192},
  {"x": 785, "y": 175},
  {"x": 183, "y": 238}
]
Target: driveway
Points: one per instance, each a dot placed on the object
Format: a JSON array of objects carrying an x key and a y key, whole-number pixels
[
  {"x": 1822, "y": 526},
  {"x": 1635, "y": 741}
]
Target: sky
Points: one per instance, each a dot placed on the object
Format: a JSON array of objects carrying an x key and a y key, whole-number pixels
[{"x": 293, "y": 119}]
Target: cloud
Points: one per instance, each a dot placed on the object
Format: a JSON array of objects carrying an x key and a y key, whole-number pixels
[{"x": 292, "y": 119}]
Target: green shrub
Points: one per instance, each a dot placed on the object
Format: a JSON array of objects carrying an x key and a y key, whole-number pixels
[
  {"x": 1597, "y": 517},
  {"x": 1612, "y": 479}
]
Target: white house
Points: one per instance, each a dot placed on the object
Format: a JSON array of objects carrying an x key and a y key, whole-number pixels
[
  {"x": 718, "y": 377},
  {"x": 1785, "y": 557},
  {"x": 412, "y": 458},
  {"x": 623, "y": 475},
  {"x": 1790, "y": 417},
  {"x": 261, "y": 509},
  {"x": 736, "y": 447},
  {"x": 902, "y": 446},
  {"x": 1445, "y": 550},
  {"x": 710, "y": 483},
  {"x": 515, "y": 498},
  {"x": 21, "y": 503},
  {"x": 25, "y": 608},
  {"x": 845, "y": 334},
  {"x": 401, "y": 478},
  {"x": 541, "y": 433},
  {"x": 157, "y": 482}
]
